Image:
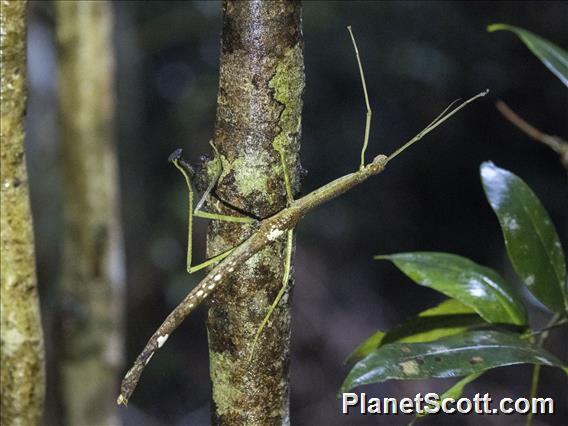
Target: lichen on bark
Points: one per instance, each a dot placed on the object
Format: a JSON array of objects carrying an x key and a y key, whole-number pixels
[
  {"x": 22, "y": 352},
  {"x": 258, "y": 111}
]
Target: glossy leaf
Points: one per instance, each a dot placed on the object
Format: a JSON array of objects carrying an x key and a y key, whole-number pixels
[
  {"x": 459, "y": 355},
  {"x": 366, "y": 347},
  {"x": 456, "y": 390},
  {"x": 554, "y": 57},
  {"x": 530, "y": 237},
  {"x": 474, "y": 285},
  {"x": 448, "y": 318}
]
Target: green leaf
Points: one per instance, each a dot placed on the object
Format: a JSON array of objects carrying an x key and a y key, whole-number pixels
[
  {"x": 366, "y": 347},
  {"x": 474, "y": 285},
  {"x": 447, "y": 307},
  {"x": 456, "y": 390},
  {"x": 554, "y": 57},
  {"x": 426, "y": 328},
  {"x": 530, "y": 237},
  {"x": 459, "y": 355},
  {"x": 449, "y": 317}
]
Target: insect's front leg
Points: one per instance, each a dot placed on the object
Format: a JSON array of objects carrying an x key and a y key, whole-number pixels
[
  {"x": 209, "y": 175},
  {"x": 192, "y": 175}
]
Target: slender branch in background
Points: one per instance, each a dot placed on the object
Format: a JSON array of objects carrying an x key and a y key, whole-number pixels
[
  {"x": 556, "y": 143},
  {"x": 269, "y": 230},
  {"x": 22, "y": 377},
  {"x": 93, "y": 270},
  {"x": 547, "y": 328}
]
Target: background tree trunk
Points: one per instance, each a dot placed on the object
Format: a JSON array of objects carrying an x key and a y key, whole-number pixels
[
  {"x": 22, "y": 372},
  {"x": 93, "y": 265},
  {"x": 259, "y": 102}
]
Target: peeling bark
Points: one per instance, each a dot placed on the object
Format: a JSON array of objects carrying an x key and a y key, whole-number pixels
[
  {"x": 23, "y": 371},
  {"x": 93, "y": 265},
  {"x": 259, "y": 107}
]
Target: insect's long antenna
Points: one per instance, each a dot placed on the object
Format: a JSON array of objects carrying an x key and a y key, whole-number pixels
[
  {"x": 437, "y": 121},
  {"x": 369, "y": 112}
]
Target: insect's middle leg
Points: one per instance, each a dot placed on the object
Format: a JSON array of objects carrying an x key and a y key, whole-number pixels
[{"x": 285, "y": 279}]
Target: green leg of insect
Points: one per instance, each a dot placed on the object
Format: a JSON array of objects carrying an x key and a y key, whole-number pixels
[
  {"x": 290, "y": 198},
  {"x": 198, "y": 213},
  {"x": 285, "y": 278},
  {"x": 366, "y": 95},
  {"x": 288, "y": 256}
]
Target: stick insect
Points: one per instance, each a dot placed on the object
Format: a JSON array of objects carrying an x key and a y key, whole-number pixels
[{"x": 268, "y": 230}]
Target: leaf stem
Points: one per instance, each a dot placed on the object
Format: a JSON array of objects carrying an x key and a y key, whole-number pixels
[
  {"x": 546, "y": 329},
  {"x": 536, "y": 369}
]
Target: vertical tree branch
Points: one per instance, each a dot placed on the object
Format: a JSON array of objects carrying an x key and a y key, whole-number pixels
[
  {"x": 22, "y": 372},
  {"x": 93, "y": 264},
  {"x": 259, "y": 108}
]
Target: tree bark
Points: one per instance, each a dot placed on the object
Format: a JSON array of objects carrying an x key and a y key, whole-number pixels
[
  {"x": 259, "y": 104},
  {"x": 93, "y": 272},
  {"x": 22, "y": 372}
]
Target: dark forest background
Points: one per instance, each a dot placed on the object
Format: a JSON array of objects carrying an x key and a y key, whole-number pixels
[{"x": 418, "y": 57}]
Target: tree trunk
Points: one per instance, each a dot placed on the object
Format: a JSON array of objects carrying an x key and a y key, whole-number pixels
[
  {"x": 22, "y": 372},
  {"x": 93, "y": 273},
  {"x": 259, "y": 104}
]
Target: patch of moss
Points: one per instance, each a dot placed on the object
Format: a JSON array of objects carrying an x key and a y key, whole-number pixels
[
  {"x": 250, "y": 175},
  {"x": 225, "y": 394},
  {"x": 288, "y": 85}
]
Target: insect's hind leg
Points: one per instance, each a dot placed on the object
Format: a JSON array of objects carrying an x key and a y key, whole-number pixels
[
  {"x": 285, "y": 279},
  {"x": 288, "y": 255}
]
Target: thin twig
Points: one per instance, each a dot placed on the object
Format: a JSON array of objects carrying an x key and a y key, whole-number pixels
[
  {"x": 546, "y": 329},
  {"x": 556, "y": 143},
  {"x": 536, "y": 369}
]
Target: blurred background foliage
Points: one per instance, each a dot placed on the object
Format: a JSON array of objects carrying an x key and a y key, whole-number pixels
[{"x": 418, "y": 57}]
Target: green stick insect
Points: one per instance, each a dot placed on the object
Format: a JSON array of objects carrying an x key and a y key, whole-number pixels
[
  {"x": 268, "y": 230},
  {"x": 213, "y": 171}
]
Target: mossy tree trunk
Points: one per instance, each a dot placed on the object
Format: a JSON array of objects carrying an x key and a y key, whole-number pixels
[
  {"x": 259, "y": 106},
  {"x": 93, "y": 264},
  {"x": 22, "y": 372}
]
